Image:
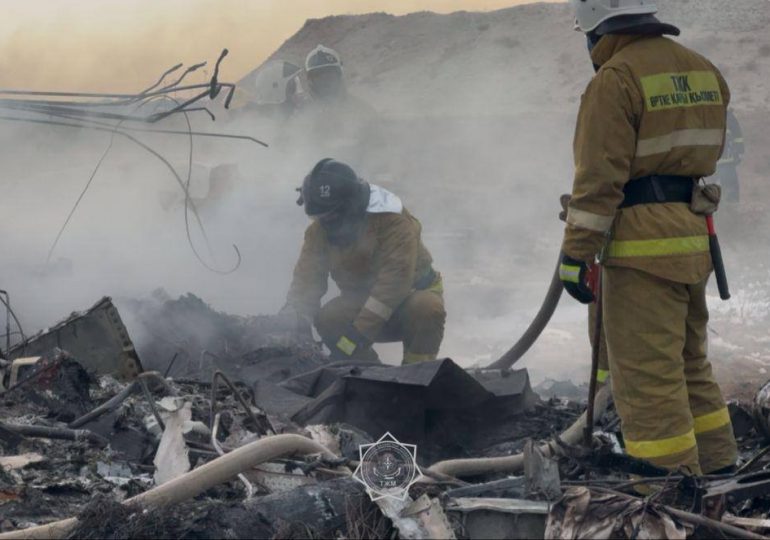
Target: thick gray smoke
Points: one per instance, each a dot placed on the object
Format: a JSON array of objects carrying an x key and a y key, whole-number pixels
[{"x": 474, "y": 129}]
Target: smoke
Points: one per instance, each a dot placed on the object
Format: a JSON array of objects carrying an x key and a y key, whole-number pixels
[{"x": 473, "y": 131}]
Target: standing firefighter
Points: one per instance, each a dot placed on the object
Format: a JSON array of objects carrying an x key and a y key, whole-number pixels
[
  {"x": 651, "y": 123},
  {"x": 370, "y": 244}
]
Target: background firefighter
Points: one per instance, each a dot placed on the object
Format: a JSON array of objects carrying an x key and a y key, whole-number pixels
[
  {"x": 333, "y": 121},
  {"x": 652, "y": 122},
  {"x": 371, "y": 246}
]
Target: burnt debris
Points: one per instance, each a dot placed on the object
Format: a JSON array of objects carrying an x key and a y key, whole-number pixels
[{"x": 264, "y": 434}]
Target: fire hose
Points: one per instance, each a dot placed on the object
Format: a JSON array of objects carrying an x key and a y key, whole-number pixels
[
  {"x": 511, "y": 464},
  {"x": 536, "y": 327},
  {"x": 196, "y": 481}
]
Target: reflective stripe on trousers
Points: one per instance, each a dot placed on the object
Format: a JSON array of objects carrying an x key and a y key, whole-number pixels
[
  {"x": 712, "y": 421},
  {"x": 681, "y": 443},
  {"x": 661, "y": 447}
]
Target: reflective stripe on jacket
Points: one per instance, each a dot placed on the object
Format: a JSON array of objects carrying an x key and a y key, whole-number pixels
[{"x": 654, "y": 107}]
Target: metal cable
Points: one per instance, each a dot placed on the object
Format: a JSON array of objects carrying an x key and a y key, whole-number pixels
[
  {"x": 15, "y": 318},
  {"x": 215, "y": 443},
  {"x": 260, "y": 424},
  {"x": 168, "y": 165}
]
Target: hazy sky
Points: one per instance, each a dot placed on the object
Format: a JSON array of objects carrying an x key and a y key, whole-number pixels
[{"x": 123, "y": 44}]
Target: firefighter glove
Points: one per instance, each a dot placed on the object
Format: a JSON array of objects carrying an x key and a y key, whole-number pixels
[
  {"x": 351, "y": 342},
  {"x": 574, "y": 275}
]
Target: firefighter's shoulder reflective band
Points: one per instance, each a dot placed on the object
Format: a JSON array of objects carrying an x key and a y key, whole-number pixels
[
  {"x": 712, "y": 421},
  {"x": 378, "y": 308},
  {"x": 680, "y": 90},
  {"x": 602, "y": 375},
  {"x": 676, "y": 139},
  {"x": 569, "y": 273},
  {"x": 346, "y": 345},
  {"x": 661, "y": 447},
  {"x": 589, "y": 220},
  {"x": 684, "y": 245}
]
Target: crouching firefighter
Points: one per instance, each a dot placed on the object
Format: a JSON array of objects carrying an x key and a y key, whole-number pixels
[
  {"x": 370, "y": 244},
  {"x": 651, "y": 125}
]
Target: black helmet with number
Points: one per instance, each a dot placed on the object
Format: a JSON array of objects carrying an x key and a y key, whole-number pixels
[{"x": 333, "y": 189}]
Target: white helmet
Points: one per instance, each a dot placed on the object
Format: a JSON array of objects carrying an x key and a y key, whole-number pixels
[
  {"x": 322, "y": 57},
  {"x": 591, "y": 13}
]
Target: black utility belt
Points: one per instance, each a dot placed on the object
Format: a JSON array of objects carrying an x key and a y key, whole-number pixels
[
  {"x": 658, "y": 189},
  {"x": 426, "y": 281}
]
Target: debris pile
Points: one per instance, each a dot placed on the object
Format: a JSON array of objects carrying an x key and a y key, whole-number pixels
[{"x": 265, "y": 443}]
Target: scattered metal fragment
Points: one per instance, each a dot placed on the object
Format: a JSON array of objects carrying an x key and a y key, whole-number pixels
[
  {"x": 508, "y": 488},
  {"x": 274, "y": 478},
  {"x": 57, "y": 433},
  {"x": 541, "y": 474},
  {"x": 749, "y": 523},
  {"x": 20, "y": 461},
  {"x": 484, "y": 518},
  {"x": 732, "y": 491},
  {"x": 416, "y": 520},
  {"x": 97, "y": 337},
  {"x": 18, "y": 365},
  {"x": 741, "y": 419}
]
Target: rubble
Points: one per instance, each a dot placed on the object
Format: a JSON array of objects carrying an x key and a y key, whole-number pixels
[
  {"x": 263, "y": 442},
  {"x": 584, "y": 514}
]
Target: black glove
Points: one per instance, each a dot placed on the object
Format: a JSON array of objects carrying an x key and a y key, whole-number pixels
[
  {"x": 349, "y": 343},
  {"x": 574, "y": 276}
]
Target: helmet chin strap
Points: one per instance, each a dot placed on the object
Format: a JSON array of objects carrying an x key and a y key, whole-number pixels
[{"x": 592, "y": 38}]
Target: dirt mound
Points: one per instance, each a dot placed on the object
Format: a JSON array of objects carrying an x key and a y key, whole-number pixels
[{"x": 515, "y": 59}]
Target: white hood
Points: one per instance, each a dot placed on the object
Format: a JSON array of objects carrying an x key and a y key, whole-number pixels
[{"x": 382, "y": 201}]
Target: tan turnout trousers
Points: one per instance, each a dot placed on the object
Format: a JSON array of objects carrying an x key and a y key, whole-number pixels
[
  {"x": 672, "y": 409},
  {"x": 418, "y": 322}
]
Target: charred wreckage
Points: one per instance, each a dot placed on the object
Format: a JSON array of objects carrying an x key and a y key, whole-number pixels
[{"x": 244, "y": 432}]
